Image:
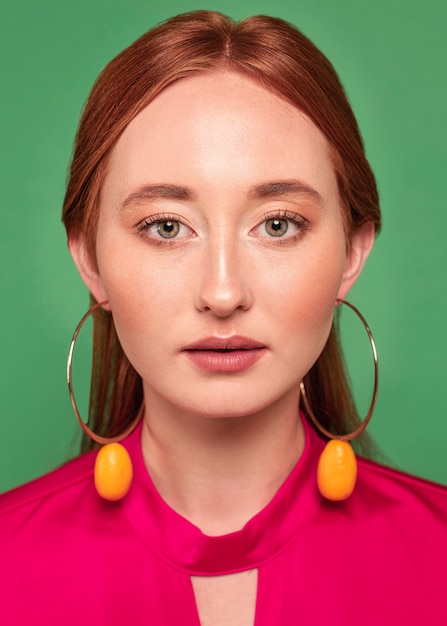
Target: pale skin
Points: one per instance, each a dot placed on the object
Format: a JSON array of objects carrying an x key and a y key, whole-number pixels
[{"x": 220, "y": 217}]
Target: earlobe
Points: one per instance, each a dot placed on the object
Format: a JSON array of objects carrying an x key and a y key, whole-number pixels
[
  {"x": 87, "y": 268},
  {"x": 362, "y": 242}
]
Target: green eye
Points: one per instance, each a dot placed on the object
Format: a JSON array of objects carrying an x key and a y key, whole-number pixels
[
  {"x": 276, "y": 227},
  {"x": 168, "y": 229}
]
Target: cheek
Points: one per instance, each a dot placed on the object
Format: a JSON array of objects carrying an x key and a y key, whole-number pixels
[
  {"x": 127, "y": 271},
  {"x": 145, "y": 299},
  {"x": 305, "y": 304}
]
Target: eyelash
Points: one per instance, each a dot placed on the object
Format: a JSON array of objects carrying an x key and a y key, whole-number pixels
[
  {"x": 143, "y": 228},
  {"x": 300, "y": 222}
]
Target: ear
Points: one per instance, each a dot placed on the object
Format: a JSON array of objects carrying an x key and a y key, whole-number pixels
[
  {"x": 362, "y": 242},
  {"x": 87, "y": 268}
]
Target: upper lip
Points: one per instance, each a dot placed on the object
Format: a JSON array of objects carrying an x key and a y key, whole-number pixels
[{"x": 234, "y": 342}]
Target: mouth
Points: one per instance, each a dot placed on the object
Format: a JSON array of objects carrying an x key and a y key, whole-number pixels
[
  {"x": 225, "y": 344},
  {"x": 225, "y": 355}
]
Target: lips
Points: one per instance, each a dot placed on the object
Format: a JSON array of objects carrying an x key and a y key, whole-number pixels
[
  {"x": 225, "y": 354},
  {"x": 235, "y": 342}
]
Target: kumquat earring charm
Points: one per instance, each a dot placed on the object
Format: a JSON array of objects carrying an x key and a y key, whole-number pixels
[
  {"x": 113, "y": 467},
  {"x": 337, "y": 466}
]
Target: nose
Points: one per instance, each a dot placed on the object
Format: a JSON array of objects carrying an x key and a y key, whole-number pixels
[{"x": 223, "y": 283}]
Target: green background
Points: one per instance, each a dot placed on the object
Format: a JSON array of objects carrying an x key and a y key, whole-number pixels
[{"x": 391, "y": 58}]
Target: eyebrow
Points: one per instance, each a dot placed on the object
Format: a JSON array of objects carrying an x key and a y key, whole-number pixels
[
  {"x": 156, "y": 192},
  {"x": 265, "y": 190},
  {"x": 284, "y": 188}
]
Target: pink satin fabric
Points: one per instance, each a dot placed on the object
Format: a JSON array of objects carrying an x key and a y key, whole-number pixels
[{"x": 69, "y": 558}]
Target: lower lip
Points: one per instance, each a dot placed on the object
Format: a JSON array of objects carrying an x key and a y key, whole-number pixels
[{"x": 229, "y": 362}]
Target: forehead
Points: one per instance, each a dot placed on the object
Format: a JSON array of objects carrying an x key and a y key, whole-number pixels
[{"x": 218, "y": 127}]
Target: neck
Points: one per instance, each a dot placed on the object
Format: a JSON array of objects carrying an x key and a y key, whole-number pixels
[{"x": 220, "y": 472}]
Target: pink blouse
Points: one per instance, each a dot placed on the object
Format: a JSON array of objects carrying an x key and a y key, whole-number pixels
[{"x": 70, "y": 558}]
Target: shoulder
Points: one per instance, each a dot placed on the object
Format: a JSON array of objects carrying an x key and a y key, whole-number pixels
[
  {"x": 52, "y": 520},
  {"x": 391, "y": 512},
  {"x": 380, "y": 488},
  {"x": 399, "y": 485},
  {"x": 408, "y": 503},
  {"x": 56, "y": 488},
  {"x": 58, "y": 506}
]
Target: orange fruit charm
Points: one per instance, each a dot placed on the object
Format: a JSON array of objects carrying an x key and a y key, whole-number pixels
[
  {"x": 337, "y": 470},
  {"x": 113, "y": 471}
]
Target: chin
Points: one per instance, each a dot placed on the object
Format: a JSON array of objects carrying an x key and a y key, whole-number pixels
[{"x": 231, "y": 404}]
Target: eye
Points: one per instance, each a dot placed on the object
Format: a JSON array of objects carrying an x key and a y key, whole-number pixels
[
  {"x": 276, "y": 227},
  {"x": 284, "y": 226},
  {"x": 163, "y": 227},
  {"x": 168, "y": 229}
]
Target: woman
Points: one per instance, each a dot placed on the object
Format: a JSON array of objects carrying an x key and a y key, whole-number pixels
[{"x": 219, "y": 207}]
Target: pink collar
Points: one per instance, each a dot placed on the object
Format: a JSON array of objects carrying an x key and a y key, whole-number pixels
[{"x": 183, "y": 545}]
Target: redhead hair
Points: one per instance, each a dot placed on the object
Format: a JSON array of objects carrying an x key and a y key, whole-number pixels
[{"x": 283, "y": 60}]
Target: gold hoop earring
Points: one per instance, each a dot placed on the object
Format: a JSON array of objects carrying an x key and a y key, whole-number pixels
[
  {"x": 113, "y": 467},
  {"x": 337, "y": 466}
]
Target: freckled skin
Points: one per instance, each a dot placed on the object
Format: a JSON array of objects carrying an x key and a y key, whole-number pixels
[{"x": 220, "y": 135}]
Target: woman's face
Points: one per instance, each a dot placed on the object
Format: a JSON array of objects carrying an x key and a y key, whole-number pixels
[{"x": 220, "y": 246}]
